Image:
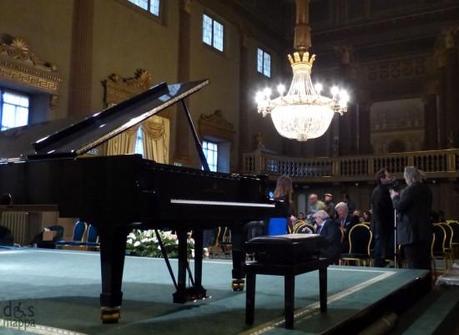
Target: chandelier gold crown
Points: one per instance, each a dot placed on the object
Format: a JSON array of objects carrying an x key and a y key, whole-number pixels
[
  {"x": 302, "y": 112},
  {"x": 300, "y": 61}
]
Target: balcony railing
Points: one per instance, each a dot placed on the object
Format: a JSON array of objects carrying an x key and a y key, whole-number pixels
[{"x": 436, "y": 163}]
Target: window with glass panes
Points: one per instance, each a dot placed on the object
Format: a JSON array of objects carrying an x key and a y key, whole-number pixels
[
  {"x": 211, "y": 153},
  {"x": 152, "y": 6},
  {"x": 264, "y": 62},
  {"x": 14, "y": 109},
  {"x": 139, "y": 142},
  {"x": 212, "y": 32}
]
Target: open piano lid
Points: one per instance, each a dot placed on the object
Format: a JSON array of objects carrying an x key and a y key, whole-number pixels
[{"x": 80, "y": 137}]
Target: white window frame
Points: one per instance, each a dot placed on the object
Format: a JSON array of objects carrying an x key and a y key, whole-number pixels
[
  {"x": 139, "y": 149},
  {"x": 25, "y": 105},
  {"x": 152, "y": 6},
  {"x": 211, "y": 147},
  {"x": 214, "y": 38},
  {"x": 264, "y": 62}
]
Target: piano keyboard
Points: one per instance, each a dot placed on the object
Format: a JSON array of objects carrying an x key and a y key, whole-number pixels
[{"x": 221, "y": 203}]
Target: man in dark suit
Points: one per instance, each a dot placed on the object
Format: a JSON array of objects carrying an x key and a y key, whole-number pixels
[
  {"x": 383, "y": 218},
  {"x": 345, "y": 223},
  {"x": 414, "y": 230},
  {"x": 327, "y": 228}
]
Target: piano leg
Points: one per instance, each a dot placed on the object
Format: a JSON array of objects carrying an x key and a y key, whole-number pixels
[
  {"x": 196, "y": 292},
  {"x": 112, "y": 252},
  {"x": 238, "y": 258},
  {"x": 198, "y": 245}
]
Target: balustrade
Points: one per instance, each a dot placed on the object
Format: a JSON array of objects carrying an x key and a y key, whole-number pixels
[{"x": 362, "y": 167}]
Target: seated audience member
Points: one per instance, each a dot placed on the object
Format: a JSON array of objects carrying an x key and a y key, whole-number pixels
[
  {"x": 329, "y": 205},
  {"x": 344, "y": 223},
  {"x": 6, "y": 238},
  {"x": 301, "y": 216},
  {"x": 350, "y": 204},
  {"x": 355, "y": 218},
  {"x": 327, "y": 228},
  {"x": 314, "y": 205},
  {"x": 366, "y": 216},
  {"x": 441, "y": 216},
  {"x": 6, "y": 199},
  {"x": 342, "y": 216}
]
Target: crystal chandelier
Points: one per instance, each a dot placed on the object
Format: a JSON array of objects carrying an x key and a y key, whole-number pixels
[{"x": 303, "y": 113}]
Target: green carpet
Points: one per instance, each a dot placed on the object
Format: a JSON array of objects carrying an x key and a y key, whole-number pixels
[{"x": 61, "y": 289}]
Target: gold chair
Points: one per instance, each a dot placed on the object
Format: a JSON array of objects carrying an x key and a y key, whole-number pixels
[
  {"x": 303, "y": 227},
  {"x": 433, "y": 265},
  {"x": 360, "y": 237},
  {"x": 439, "y": 250},
  {"x": 448, "y": 241},
  {"x": 454, "y": 225},
  {"x": 222, "y": 243}
]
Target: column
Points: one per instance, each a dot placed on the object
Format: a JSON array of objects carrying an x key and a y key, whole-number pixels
[
  {"x": 430, "y": 122},
  {"x": 245, "y": 105},
  {"x": 451, "y": 101},
  {"x": 80, "y": 83},
  {"x": 364, "y": 129},
  {"x": 182, "y": 128},
  {"x": 346, "y": 126}
]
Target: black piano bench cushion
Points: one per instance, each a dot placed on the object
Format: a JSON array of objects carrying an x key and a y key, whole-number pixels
[{"x": 285, "y": 249}]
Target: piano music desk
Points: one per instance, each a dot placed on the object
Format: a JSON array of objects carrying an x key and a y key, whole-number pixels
[{"x": 289, "y": 271}]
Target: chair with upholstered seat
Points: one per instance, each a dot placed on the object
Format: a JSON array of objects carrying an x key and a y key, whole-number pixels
[
  {"x": 360, "y": 237},
  {"x": 79, "y": 230},
  {"x": 92, "y": 240}
]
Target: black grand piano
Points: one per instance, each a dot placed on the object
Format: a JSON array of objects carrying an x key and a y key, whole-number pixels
[{"x": 48, "y": 164}]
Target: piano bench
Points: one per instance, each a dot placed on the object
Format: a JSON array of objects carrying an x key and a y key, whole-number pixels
[{"x": 288, "y": 271}]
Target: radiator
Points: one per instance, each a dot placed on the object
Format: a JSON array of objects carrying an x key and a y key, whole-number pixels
[{"x": 18, "y": 224}]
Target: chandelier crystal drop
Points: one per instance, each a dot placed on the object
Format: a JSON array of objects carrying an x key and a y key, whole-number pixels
[{"x": 303, "y": 113}]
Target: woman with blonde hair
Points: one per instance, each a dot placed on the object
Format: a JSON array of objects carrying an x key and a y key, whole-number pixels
[
  {"x": 284, "y": 189},
  {"x": 284, "y": 193}
]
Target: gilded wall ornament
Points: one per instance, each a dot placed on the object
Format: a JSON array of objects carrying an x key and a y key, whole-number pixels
[
  {"x": 216, "y": 125},
  {"x": 19, "y": 65}
]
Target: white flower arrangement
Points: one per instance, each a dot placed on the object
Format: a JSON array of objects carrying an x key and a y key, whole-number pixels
[{"x": 145, "y": 243}]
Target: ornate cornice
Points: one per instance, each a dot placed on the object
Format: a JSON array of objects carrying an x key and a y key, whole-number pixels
[
  {"x": 118, "y": 88},
  {"x": 20, "y": 65},
  {"x": 216, "y": 125}
]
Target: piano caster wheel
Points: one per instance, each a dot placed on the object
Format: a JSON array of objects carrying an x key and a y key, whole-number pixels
[
  {"x": 110, "y": 314},
  {"x": 238, "y": 285}
]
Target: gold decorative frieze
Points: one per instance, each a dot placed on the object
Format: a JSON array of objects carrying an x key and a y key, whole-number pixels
[
  {"x": 118, "y": 88},
  {"x": 20, "y": 65},
  {"x": 396, "y": 69},
  {"x": 216, "y": 125}
]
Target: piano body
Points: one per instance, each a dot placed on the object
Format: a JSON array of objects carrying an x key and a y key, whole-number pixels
[{"x": 120, "y": 193}]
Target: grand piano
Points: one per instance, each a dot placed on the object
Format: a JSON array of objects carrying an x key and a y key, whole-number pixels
[{"x": 49, "y": 164}]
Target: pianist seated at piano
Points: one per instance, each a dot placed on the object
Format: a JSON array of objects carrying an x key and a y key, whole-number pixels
[
  {"x": 284, "y": 193},
  {"x": 328, "y": 228}
]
